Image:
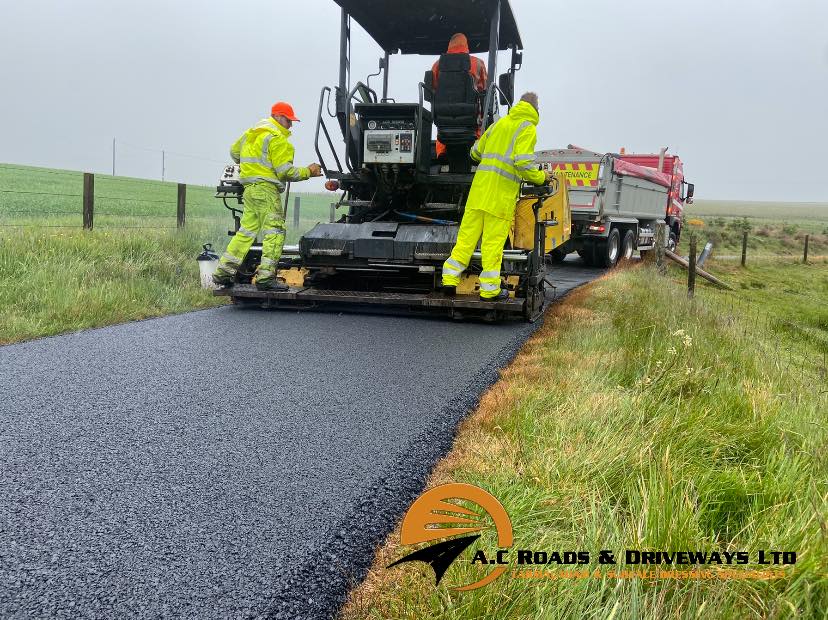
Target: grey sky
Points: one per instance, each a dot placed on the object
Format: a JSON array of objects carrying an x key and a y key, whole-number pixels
[{"x": 738, "y": 88}]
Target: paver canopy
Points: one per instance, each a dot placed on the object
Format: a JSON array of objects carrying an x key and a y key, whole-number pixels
[{"x": 424, "y": 27}]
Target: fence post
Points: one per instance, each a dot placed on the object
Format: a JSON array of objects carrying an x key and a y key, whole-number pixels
[
  {"x": 182, "y": 202},
  {"x": 744, "y": 248},
  {"x": 88, "y": 200},
  {"x": 296, "y": 213},
  {"x": 691, "y": 269},
  {"x": 333, "y": 211},
  {"x": 805, "y": 256}
]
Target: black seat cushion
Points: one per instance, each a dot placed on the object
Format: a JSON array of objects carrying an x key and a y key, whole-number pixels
[{"x": 456, "y": 101}]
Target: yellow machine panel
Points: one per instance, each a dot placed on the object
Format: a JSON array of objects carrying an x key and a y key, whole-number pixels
[
  {"x": 555, "y": 207},
  {"x": 470, "y": 284}
]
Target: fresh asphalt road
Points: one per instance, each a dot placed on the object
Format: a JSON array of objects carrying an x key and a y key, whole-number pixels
[{"x": 222, "y": 463}]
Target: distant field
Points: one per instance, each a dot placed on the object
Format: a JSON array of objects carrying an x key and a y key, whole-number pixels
[
  {"x": 774, "y": 228},
  {"x": 56, "y": 277},
  {"x": 44, "y": 197},
  {"x": 811, "y": 211}
]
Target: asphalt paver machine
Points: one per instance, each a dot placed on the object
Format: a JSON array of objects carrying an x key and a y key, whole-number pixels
[{"x": 399, "y": 204}]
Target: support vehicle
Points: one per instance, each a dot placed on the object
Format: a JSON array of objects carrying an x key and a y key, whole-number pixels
[
  {"x": 618, "y": 201},
  {"x": 400, "y": 206}
]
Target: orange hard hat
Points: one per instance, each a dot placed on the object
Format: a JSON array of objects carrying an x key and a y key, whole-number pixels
[{"x": 280, "y": 108}]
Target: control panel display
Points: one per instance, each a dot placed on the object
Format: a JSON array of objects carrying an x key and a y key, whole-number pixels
[{"x": 387, "y": 145}]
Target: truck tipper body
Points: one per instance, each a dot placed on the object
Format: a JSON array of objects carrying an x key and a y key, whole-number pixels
[{"x": 618, "y": 201}]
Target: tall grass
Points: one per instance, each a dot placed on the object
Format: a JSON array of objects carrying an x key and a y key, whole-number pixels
[
  {"x": 636, "y": 419},
  {"x": 55, "y": 277},
  {"x": 58, "y": 280}
]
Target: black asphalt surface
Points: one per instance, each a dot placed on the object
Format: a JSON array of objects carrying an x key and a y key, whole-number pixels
[{"x": 223, "y": 463}]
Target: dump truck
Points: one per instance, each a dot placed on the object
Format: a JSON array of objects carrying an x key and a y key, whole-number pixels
[
  {"x": 618, "y": 201},
  {"x": 400, "y": 205}
]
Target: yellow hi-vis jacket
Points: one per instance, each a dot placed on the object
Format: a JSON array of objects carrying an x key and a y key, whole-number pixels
[
  {"x": 506, "y": 155},
  {"x": 266, "y": 155}
]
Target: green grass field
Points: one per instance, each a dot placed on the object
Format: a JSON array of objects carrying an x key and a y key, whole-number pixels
[
  {"x": 56, "y": 277},
  {"x": 44, "y": 197},
  {"x": 781, "y": 211},
  {"x": 773, "y": 228},
  {"x": 637, "y": 419}
]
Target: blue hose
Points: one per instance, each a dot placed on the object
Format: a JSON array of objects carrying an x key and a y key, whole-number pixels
[{"x": 428, "y": 220}]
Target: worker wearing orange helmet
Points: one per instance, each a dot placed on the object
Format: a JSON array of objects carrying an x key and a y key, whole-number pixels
[
  {"x": 459, "y": 44},
  {"x": 266, "y": 158}
]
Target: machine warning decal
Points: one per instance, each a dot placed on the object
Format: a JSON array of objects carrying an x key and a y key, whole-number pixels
[{"x": 577, "y": 175}]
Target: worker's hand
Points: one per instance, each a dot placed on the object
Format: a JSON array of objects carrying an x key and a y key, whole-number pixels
[
  {"x": 315, "y": 170},
  {"x": 550, "y": 174}
]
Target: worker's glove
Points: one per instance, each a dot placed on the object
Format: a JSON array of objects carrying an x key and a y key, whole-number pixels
[
  {"x": 315, "y": 170},
  {"x": 550, "y": 174}
]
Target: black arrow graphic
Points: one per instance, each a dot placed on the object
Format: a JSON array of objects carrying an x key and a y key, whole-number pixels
[{"x": 439, "y": 556}]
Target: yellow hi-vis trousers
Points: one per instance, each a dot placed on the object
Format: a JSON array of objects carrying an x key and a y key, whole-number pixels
[
  {"x": 262, "y": 213},
  {"x": 495, "y": 231}
]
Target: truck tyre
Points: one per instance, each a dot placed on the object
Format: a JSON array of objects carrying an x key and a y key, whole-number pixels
[
  {"x": 672, "y": 242},
  {"x": 608, "y": 252},
  {"x": 627, "y": 246},
  {"x": 587, "y": 254},
  {"x": 557, "y": 256}
]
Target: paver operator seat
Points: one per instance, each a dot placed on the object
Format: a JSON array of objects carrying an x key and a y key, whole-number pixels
[{"x": 456, "y": 108}]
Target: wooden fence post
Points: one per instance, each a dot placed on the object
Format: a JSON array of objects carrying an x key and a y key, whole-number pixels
[
  {"x": 182, "y": 203},
  {"x": 296, "y": 213},
  {"x": 691, "y": 270},
  {"x": 805, "y": 255},
  {"x": 744, "y": 248},
  {"x": 88, "y": 200},
  {"x": 333, "y": 211}
]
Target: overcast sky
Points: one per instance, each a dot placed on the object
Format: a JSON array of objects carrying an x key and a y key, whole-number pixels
[{"x": 738, "y": 88}]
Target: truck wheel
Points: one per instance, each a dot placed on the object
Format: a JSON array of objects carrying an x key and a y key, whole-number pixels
[
  {"x": 607, "y": 253},
  {"x": 627, "y": 246},
  {"x": 672, "y": 242},
  {"x": 557, "y": 256}
]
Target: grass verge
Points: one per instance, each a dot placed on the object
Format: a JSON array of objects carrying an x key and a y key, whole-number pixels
[
  {"x": 55, "y": 277},
  {"x": 67, "y": 279},
  {"x": 636, "y": 419}
]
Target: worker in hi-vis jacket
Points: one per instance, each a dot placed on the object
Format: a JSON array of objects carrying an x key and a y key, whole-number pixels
[
  {"x": 506, "y": 156},
  {"x": 266, "y": 158}
]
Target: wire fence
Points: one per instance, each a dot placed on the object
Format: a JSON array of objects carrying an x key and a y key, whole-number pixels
[
  {"x": 35, "y": 198},
  {"x": 32, "y": 198}
]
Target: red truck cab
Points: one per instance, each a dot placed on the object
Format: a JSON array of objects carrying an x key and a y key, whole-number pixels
[{"x": 681, "y": 192}]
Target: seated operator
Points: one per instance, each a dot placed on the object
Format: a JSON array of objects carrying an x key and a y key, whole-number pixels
[{"x": 459, "y": 44}]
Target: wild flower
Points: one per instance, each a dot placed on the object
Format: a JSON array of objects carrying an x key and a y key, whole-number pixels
[{"x": 672, "y": 351}]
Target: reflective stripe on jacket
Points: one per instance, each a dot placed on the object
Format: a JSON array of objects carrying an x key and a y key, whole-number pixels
[
  {"x": 266, "y": 155},
  {"x": 506, "y": 156}
]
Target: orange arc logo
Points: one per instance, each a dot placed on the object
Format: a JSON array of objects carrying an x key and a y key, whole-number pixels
[{"x": 432, "y": 517}]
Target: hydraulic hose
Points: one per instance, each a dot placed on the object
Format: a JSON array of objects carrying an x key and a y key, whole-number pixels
[{"x": 427, "y": 220}]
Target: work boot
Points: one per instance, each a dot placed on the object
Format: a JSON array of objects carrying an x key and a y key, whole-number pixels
[
  {"x": 271, "y": 285},
  {"x": 223, "y": 279},
  {"x": 503, "y": 295},
  {"x": 449, "y": 291}
]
